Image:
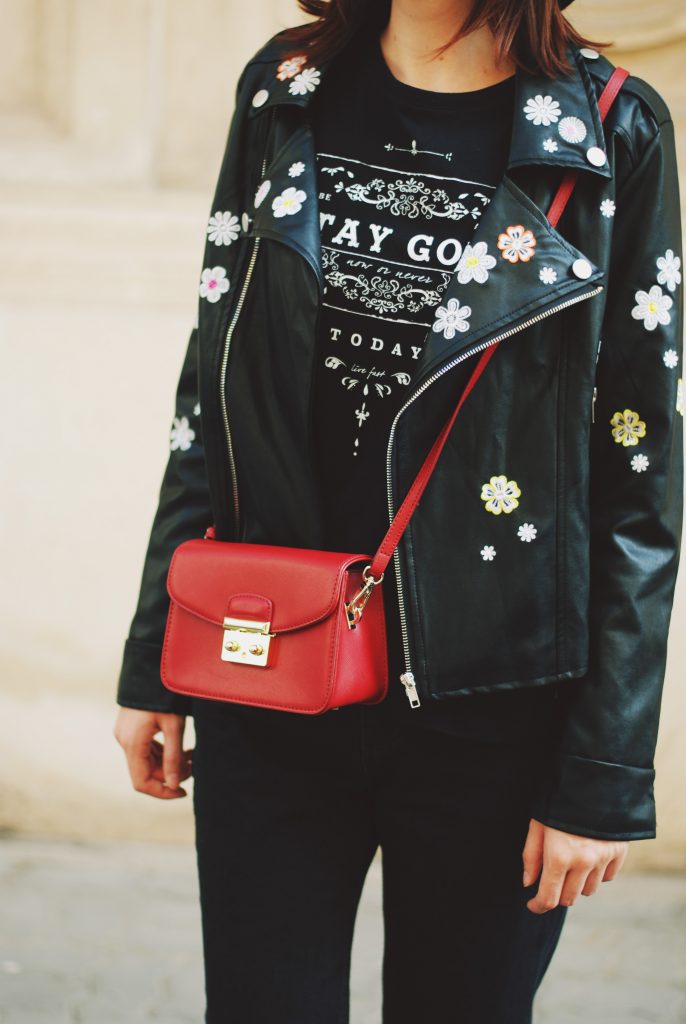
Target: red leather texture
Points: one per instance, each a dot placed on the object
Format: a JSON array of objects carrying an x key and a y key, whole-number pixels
[{"x": 315, "y": 661}]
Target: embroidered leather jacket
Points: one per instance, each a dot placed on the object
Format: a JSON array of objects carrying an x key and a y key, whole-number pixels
[{"x": 547, "y": 542}]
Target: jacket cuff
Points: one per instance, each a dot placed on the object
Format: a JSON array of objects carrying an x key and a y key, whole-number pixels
[
  {"x": 598, "y": 799},
  {"x": 140, "y": 684}
]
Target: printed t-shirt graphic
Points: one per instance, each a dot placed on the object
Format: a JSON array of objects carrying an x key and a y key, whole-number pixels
[{"x": 404, "y": 175}]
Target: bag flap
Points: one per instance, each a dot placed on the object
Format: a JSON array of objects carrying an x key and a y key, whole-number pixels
[{"x": 212, "y": 579}]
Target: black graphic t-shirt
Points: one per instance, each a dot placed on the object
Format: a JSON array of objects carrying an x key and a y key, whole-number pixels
[{"x": 404, "y": 175}]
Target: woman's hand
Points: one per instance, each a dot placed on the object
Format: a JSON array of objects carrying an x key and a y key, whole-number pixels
[
  {"x": 155, "y": 769},
  {"x": 572, "y": 865}
]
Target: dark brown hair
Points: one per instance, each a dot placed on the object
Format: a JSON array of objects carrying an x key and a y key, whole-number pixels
[{"x": 535, "y": 33}]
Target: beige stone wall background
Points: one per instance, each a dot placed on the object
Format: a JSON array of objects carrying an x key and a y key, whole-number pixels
[{"x": 113, "y": 117}]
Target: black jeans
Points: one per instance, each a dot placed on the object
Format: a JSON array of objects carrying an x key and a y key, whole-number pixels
[{"x": 289, "y": 812}]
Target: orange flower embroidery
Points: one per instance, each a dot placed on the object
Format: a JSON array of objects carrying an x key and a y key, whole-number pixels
[
  {"x": 517, "y": 243},
  {"x": 290, "y": 67}
]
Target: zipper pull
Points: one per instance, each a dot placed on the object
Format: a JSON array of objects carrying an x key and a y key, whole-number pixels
[
  {"x": 407, "y": 679},
  {"x": 595, "y": 395}
]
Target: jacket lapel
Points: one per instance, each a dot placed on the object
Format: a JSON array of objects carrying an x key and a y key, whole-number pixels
[{"x": 517, "y": 265}]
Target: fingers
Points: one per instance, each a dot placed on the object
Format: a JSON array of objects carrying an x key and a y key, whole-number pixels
[
  {"x": 172, "y": 729},
  {"x": 573, "y": 866},
  {"x": 550, "y": 886},
  {"x": 150, "y": 764},
  {"x": 532, "y": 854}
]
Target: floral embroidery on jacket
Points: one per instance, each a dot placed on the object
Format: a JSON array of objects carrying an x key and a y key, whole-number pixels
[
  {"x": 542, "y": 110},
  {"x": 671, "y": 358},
  {"x": 669, "y": 266},
  {"x": 608, "y": 208},
  {"x": 290, "y": 67},
  {"x": 451, "y": 318},
  {"x": 213, "y": 283},
  {"x": 487, "y": 552},
  {"x": 517, "y": 243},
  {"x": 182, "y": 434},
  {"x": 223, "y": 228},
  {"x": 572, "y": 129},
  {"x": 306, "y": 81},
  {"x": 500, "y": 495},
  {"x": 547, "y": 275},
  {"x": 296, "y": 169},
  {"x": 475, "y": 263},
  {"x": 639, "y": 463},
  {"x": 550, "y": 146},
  {"x": 652, "y": 308},
  {"x": 627, "y": 428},
  {"x": 262, "y": 191},
  {"x": 527, "y": 532},
  {"x": 289, "y": 202}
]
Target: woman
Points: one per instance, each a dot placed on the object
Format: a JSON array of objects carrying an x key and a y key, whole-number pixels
[{"x": 380, "y": 215}]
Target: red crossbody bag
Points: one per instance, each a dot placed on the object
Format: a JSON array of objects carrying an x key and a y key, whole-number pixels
[{"x": 296, "y": 629}]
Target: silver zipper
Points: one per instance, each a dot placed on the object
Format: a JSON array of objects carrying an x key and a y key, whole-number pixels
[
  {"x": 595, "y": 388},
  {"x": 407, "y": 677},
  {"x": 227, "y": 344}
]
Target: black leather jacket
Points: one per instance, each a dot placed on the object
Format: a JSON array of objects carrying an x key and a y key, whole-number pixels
[{"x": 566, "y": 460}]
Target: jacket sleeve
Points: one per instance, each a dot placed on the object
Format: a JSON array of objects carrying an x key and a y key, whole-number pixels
[
  {"x": 183, "y": 512},
  {"x": 603, "y": 777}
]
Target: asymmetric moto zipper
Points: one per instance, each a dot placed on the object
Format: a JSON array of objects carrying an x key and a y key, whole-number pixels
[
  {"x": 227, "y": 344},
  {"x": 407, "y": 677}
]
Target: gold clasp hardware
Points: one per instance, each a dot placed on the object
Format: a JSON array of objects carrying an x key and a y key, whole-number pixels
[
  {"x": 356, "y": 605},
  {"x": 246, "y": 641}
]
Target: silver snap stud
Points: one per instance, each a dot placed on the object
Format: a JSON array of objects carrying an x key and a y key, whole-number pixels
[
  {"x": 245, "y": 222},
  {"x": 582, "y": 269},
  {"x": 596, "y": 156},
  {"x": 590, "y": 54},
  {"x": 260, "y": 98}
]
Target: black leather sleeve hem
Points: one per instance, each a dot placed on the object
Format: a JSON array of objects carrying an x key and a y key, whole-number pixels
[
  {"x": 140, "y": 685},
  {"x": 598, "y": 799}
]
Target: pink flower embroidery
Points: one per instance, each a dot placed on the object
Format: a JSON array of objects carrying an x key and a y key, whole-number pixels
[
  {"x": 517, "y": 243},
  {"x": 290, "y": 67}
]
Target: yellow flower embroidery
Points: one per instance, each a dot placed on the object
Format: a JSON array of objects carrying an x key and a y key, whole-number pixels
[
  {"x": 500, "y": 495},
  {"x": 627, "y": 428}
]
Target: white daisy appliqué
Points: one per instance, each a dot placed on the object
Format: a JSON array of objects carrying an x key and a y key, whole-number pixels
[
  {"x": 671, "y": 358},
  {"x": 296, "y": 169},
  {"x": 547, "y": 275},
  {"x": 527, "y": 532},
  {"x": 475, "y": 264},
  {"x": 572, "y": 129},
  {"x": 306, "y": 81},
  {"x": 487, "y": 552},
  {"x": 196, "y": 409},
  {"x": 608, "y": 208},
  {"x": 639, "y": 463},
  {"x": 289, "y": 202},
  {"x": 213, "y": 284},
  {"x": 452, "y": 318},
  {"x": 182, "y": 434},
  {"x": 669, "y": 266},
  {"x": 517, "y": 243},
  {"x": 652, "y": 308},
  {"x": 262, "y": 192},
  {"x": 550, "y": 146},
  {"x": 542, "y": 110},
  {"x": 500, "y": 495},
  {"x": 223, "y": 228}
]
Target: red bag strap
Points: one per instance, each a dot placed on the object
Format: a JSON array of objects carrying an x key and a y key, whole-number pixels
[{"x": 411, "y": 500}]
